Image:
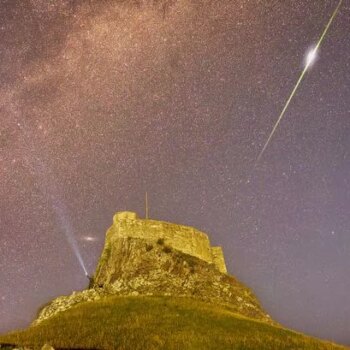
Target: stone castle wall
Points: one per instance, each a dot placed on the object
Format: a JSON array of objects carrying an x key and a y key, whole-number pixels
[{"x": 183, "y": 238}]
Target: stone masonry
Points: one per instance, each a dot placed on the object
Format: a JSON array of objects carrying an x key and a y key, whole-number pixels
[{"x": 183, "y": 238}]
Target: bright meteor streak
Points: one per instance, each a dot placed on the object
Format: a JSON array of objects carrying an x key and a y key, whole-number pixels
[{"x": 310, "y": 59}]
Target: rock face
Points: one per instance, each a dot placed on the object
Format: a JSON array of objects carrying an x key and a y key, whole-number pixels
[{"x": 147, "y": 257}]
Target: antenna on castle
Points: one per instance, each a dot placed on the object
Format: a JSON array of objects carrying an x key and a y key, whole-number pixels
[{"x": 146, "y": 204}]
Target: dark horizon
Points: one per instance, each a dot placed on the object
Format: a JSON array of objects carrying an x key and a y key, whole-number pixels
[{"x": 102, "y": 101}]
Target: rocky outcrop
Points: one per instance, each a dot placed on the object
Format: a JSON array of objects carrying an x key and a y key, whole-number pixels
[
  {"x": 140, "y": 267},
  {"x": 66, "y": 302}
]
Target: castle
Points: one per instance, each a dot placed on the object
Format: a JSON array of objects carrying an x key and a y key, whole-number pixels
[
  {"x": 143, "y": 257},
  {"x": 183, "y": 238}
]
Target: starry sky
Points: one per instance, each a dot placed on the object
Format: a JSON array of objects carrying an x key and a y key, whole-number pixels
[{"x": 103, "y": 100}]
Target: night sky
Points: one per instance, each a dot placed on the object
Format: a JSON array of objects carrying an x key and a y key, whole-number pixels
[{"x": 103, "y": 100}]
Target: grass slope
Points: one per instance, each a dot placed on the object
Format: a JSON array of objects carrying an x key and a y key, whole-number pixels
[{"x": 158, "y": 323}]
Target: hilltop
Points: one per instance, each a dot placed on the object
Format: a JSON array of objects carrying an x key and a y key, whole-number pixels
[
  {"x": 145, "y": 323},
  {"x": 159, "y": 285},
  {"x": 155, "y": 258}
]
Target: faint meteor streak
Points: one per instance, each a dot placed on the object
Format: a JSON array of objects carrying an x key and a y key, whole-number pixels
[
  {"x": 310, "y": 59},
  {"x": 49, "y": 190}
]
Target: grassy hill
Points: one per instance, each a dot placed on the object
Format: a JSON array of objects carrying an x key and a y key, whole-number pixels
[{"x": 158, "y": 323}]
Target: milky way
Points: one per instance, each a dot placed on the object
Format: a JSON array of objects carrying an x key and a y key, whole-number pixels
[{"x": 101, "y": 101}]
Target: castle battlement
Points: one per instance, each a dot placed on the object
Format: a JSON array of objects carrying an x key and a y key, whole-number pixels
[{"x": 183, "y": 238}]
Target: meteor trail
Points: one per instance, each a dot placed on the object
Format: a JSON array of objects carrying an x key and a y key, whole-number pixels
[{"x": 309, "y": 61}]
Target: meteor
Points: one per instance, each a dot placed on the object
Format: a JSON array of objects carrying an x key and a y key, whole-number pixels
[
  {"x": 89, "y": 239},
  {"x": 312, "y": 55}
]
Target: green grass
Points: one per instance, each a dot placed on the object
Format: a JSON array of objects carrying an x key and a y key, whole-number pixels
[{"x": 158, "y": 323}]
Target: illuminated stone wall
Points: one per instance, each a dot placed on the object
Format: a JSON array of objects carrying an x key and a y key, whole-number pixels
[{"x": 184, "y": 238}]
